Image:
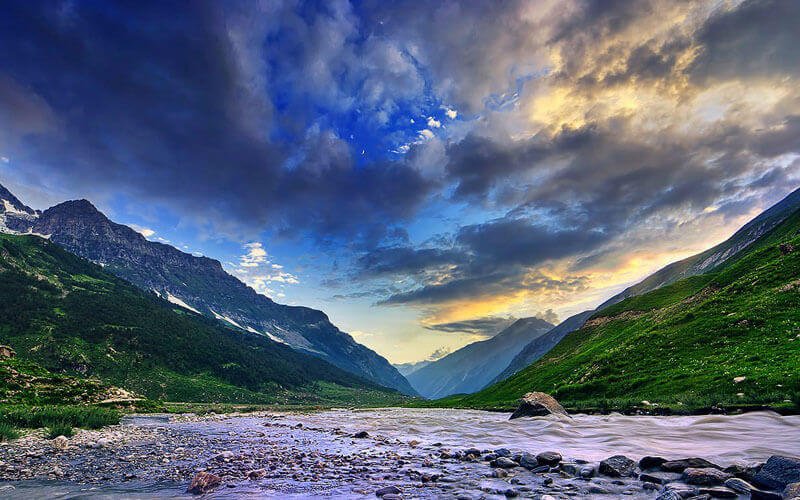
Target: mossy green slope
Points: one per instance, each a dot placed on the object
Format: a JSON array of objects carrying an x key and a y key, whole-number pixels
[
  {"x": 70, "y": 316},
  {"x": 682, "y": 345}
]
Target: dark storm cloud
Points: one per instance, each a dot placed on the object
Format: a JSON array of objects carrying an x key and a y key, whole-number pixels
[
  {"x": 404, "y": 260},
  {"x": 150, "y": 100},
  {"x": 487, "y": 326},
  {"x": 759, "y": 38}
]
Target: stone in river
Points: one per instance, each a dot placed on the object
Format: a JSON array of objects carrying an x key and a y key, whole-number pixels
[
  {"x": 765, "y": 495},
  {"x": 388, "y": 490},
  {"x": 528, "y": 461},
  {"x": 504, "y": 463},
  {"x": 705, "y": 477},
  {"x": 538, "y": 404},
  {"x": 659, "y": 477},
  {"x": 361, "y": 435},
  {"x": 502, "y": 452},
  {"x": 550, "y": 458},
  {"x": 203, "y": 482},
  {"x": 718, "y": 492},
  {"x": 617, "y": 466},
  {"x": 669, "y": 495},
  {"x": 685, "y": 463},
  {"x": 778, "y": 472},
  {"x": 739, "y": 485},
  {"x": 499, "y": 473},
  {"x": 792, "y": 491},
  {"x": 746, "y": 472},
  {"x": 651, "y": 462}
]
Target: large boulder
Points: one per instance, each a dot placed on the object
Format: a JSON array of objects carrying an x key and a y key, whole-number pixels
[
  {"x": 538, "y": 404},
  {"x": 779, "y": 472},
  {"x": 617, "y": 466}
]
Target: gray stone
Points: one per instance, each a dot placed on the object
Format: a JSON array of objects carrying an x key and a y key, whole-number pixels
[
  {"x": 504, "y": 463},
  {"x": 792, "y": 491},
  {"x": 617, "y": 466},
  {"x": 538, "y": 404},
  {"x": 705, "y": 477},
  {"x": 778, "y": 472},
  {"x": 502, "y": 452},
  {"x": 718, "y": 492},
  {"x": 388, "y": 490},
  {"x": 685, "y": 463},
  {"x": 739, "y": 485},
  {"x": 659, "y": 477},
  {"x": 528, "y": 461},
  {"x": 648, "y": 463},
  {"x": 550, "y": 458}
]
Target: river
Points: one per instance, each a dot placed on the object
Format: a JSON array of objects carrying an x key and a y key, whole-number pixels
[{"x": 315, "y": 454}]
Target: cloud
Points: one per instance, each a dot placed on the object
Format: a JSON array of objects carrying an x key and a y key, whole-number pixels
[
  {"x": 256, "y": 270},
  {"x": 438, "y": 353},
  {"x": 487, "y": 327},
  {"x": 144, "y": 231}
]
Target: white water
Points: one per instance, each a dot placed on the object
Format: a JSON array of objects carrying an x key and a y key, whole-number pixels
[{"x": 722, "y": 439}]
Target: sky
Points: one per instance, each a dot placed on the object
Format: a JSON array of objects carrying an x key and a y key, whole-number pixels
[{"x": 423, "y": 172}]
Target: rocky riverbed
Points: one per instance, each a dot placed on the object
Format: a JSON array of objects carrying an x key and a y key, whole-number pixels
[{"x": 398, "y": 453}]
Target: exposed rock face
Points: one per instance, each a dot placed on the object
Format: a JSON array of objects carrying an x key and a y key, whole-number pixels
[
  {"x": 779, "y": 472},
  {"x": 538, "y": 404},
  {"x": 7, "y": 352},
  {"x": 203, "y": 482},
  {"x": 197, "y": 282}
]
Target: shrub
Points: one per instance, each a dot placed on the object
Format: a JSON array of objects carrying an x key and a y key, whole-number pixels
[
  {"x": 7, "y": 432},
  {"x": 56, "y": 429}
]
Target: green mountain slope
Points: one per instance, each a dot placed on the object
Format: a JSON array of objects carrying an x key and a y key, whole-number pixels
[
  {"x": 72, "y": 317},
  {"x": 682, "y": 345}
]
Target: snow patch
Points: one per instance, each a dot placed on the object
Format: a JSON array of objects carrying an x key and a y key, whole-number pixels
[
  {"x": 227, "y": 319},
  {"x": 175, "y": 300}
]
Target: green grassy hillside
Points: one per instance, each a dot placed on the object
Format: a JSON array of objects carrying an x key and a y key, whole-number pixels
[
  {"x": 681, "y": 346},
  {"x": 71, "y": 317}
]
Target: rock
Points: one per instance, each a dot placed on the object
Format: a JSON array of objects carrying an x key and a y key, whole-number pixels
[
  {"x": 718, "y": 492},
  {"x": 256, "y": 474},
  {"x": 684, "y": 490},
  {"x": 550, "y": 458},
  {"x": 388, "y": 490},
  {"x": 224, "y": 455},
  {"x": 489, "y": 457},
  {"x": 648, "y": 463},
  {"x": 361, "y": 435},
  {"x": 472, "y": 451},
  {"x": 778, "y": 472},
  {"x": 659, "y": 477},
  {"x": 528, "y": 461},
  {"x": 792, "y": 491},
  {"x": 392, "y": 496},
  {"x": 586, "y": 472},
  {"x": 685, "y": 463},
  {"x": 705, "y": 477},
  {"x": 511, "y": 493},
  {"x": 61, "y": 443},
  {"x": 7, "y": 352},
  {"x": 570, "y": 468},
  {"x": 502, "y": 452},
  {"x": 504, "y": 463},
  {"x": 669, "y": 495},
  {"x": 746, "y": 472},
  {"x": 538, "y": 404},
  {"x": 617, "y": 466},
  {"x": 500, "y": 473},
  {"x": 203, "y": 482},
  {"x": 765, "y": 495},
  {"x": 739, "y": 485}
]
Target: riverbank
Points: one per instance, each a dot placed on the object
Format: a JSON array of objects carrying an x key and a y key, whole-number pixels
[{"x": 422, "y": 453}]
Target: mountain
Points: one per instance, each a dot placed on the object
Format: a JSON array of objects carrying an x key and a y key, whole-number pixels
[
  {"x": 407, "y": 369},
  {"x": 541, "y": 345},
  {"x": 14, "y": 215},
  {"x": 727, "y": 337},
  {"x": 72, "y": 317},
  {"x": 691, "y": 266},
  {"x": 201, "y": 284},
  {"x": 470, "y": 368}
]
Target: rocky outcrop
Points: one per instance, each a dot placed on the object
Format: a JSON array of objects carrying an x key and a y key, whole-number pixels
[
  {"x": 538, "y": 404},
  {"x": 779, "y": 472}
]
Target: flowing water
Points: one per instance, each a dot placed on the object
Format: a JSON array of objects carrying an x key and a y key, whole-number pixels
[{"x": 315, "y": 454}]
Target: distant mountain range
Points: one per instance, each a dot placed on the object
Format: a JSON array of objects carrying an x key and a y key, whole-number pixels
[
  {"x": 407, "y": 369},
  {"x": 196, "y": 283},
  {"x": 470, "y": 368},
  {"x": 715, "y": 329}
]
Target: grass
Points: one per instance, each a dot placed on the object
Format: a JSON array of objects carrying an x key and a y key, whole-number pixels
[
  {"x": 35, "y": 417},
  {"x": 56, "y": 429},
  {"x": 680, "y": 347},
  {"x": 8, "y": 432}
]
